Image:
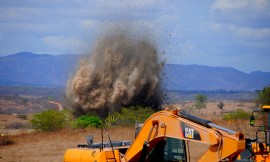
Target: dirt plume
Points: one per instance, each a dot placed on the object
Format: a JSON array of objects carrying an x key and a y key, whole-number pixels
[{"x": 120, "y": 71}]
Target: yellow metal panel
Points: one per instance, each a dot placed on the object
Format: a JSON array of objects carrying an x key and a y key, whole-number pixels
[
  {"x": 109, "y": 155},
  {"x": 90, "y": 155},
  {"x": 266, "y": 107},
  {"x": 81, "y": 155},
  {"x": 73, "y": 155}
]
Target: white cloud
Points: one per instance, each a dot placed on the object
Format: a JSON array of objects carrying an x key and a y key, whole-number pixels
[
  {"x": 27, "y": 27},
  {"x": 250, "y": 13},
  {"x": 19, "y": 14},
  {"x": 250, "y": 33},
  {"x": 65, "y": 44},
  {"x": 229, "y": 4},
  {"x": 143, "y": 2},
  {"x": 61, "y": 42},
  {"x": 189, "y": 48},
  {"x": 213, "y": 26},
  {"x": 240, "y": 4},
  {"x": 128, "y": 4},
  {"x": 90, "y": 24},
  {"x": 240, "y": 32}
]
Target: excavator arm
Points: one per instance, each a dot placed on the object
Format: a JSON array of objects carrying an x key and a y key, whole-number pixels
[{"x": 223, "y": 143}]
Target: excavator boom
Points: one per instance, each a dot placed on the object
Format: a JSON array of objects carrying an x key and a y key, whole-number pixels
[{"x": 224, "y": 143}]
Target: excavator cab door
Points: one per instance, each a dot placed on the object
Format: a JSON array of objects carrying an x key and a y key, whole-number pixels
[
  {"x": 175, "y": 150},
  {"x": 168, "y": 150}
]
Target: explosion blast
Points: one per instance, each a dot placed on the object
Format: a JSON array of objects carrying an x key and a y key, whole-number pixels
[{"x": 119, "y": 72}]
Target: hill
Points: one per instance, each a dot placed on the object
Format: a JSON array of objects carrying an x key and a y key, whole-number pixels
[
  {"x": 26, "y": 68},
  {"x": 199, "y": 77},
  {"x": 29, "y": 69}
]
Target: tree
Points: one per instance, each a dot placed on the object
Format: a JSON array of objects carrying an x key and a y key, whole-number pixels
[
  {"x": 263, "y": 96},
  {"x": 220, "y": 105},
  {"x": 200, "y": 101},
  {"x": 201, "y": 98}
]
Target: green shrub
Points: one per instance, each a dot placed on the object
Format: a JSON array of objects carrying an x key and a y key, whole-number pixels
[
  {"x": 88, "y": 121},
  {"x": 50, "y": 120},
  {"x": 238, "y": 114},
  {"x": 128, "y": 116}
]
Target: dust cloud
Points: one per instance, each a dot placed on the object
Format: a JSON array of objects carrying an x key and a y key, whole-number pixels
[{"x": 120, "y": 71}]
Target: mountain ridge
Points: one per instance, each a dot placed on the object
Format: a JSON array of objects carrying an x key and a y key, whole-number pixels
[
  {"x": 200, "y": 77},
  {"x": 27, "y": 68}
]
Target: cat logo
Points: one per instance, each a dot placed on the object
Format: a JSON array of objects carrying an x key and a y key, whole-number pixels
[{"x": 189, "y": 132}]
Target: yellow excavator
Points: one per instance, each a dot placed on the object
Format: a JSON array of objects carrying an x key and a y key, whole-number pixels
[{"x": 162, "y": 138}]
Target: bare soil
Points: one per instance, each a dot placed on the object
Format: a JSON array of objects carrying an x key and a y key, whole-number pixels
[{"x": 40, "y": 146}]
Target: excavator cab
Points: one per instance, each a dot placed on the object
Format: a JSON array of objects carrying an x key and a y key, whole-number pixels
[{"x": 166, "y": 150}]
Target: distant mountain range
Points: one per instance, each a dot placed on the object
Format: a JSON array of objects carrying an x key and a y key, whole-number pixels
[
  {"x": 26, "y": 68},
  {"x": 29, "y": 69},
  {"x": 198, "y": 77}
]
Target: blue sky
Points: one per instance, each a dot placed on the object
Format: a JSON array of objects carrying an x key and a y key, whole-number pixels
[{"x": 227, "y": 33}]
